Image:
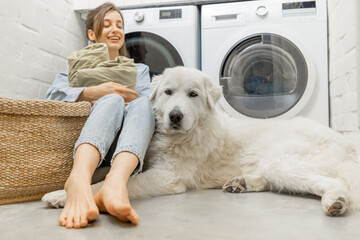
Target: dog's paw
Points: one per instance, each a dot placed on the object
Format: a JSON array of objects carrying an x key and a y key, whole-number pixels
[
  {"x": 55, "y": 199},
  {"x": 235, "y": 185},
  {"x": 334, "y": 206},
  {"x": 338, "y": 207}
]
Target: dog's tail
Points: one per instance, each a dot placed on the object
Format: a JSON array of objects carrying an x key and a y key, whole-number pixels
[{"x": 351, "y": 174}]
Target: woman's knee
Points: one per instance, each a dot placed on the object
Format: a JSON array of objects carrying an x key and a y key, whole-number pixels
[
  {"x": 144, "y": 108},
  {"x": 109, "y": 105},
  {"x": 144, "y": 103},
  {"x": 112, "y": 99}
]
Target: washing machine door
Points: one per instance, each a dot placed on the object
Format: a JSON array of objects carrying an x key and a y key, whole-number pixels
[
  {"x": 152, "y": 50},
  {"x": 264, "y": 76}
]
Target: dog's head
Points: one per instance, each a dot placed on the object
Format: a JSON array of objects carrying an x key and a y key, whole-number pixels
[{"x": 181, "y": 96}]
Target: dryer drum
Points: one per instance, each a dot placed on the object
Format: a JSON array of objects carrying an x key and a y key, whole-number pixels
[
  {"x": 264, "y": 76},
  {"x": 152, "y": 50}
]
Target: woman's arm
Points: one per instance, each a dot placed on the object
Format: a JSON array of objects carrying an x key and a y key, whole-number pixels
[
  {"x": 143, "y": 80},
  {"x": 93, "y": 93},
  {"x": 61, "y": 91}
]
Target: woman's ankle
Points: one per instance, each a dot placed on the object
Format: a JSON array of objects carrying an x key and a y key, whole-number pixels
[
  {"x": 116, "y": 177},
  {"x": 77, "y": 179}
]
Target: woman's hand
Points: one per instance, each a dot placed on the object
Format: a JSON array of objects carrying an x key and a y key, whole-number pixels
[{"x": 92, "y": 94}]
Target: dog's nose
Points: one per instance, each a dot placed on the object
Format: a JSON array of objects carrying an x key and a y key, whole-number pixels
[{"x": 176, "y": 116}]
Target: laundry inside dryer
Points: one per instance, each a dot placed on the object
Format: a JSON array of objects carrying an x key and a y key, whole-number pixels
[{"x": 264, "y": 76}]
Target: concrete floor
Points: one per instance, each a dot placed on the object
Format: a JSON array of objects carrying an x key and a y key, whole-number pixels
[{"x": 206, "y": 214}]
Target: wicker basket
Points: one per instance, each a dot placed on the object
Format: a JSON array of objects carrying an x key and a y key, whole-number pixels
[{"x": 36, "y": 146}]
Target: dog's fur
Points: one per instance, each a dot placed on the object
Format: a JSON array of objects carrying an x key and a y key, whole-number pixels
[{"x": 197, "y": 147}]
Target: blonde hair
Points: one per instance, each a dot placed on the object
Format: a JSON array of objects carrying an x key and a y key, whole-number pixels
[{"x": 95, "y": 22}]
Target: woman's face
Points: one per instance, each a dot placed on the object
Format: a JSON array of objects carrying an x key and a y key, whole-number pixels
[{"x": 113, "y": 31}]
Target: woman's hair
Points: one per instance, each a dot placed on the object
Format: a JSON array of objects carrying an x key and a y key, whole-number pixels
[{"x": 95, "y": 22}]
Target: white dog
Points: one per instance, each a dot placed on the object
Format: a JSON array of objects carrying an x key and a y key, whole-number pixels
[{"x": 197, "y": 147}]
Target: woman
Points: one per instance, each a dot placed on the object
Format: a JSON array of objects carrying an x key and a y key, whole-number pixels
[{"x": 117, "y": 131}]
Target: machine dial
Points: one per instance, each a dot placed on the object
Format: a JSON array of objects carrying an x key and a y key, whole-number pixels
[
  {"x": 139, "y": 16},
  {"x": 261, "y": 11}
]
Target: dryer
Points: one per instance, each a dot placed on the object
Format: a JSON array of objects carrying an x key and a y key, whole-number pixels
[
  {"x": 163, "y": 37},
  {"x": 269, "y": 56}
]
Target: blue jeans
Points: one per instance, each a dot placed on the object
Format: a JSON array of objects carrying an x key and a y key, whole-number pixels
[{"x": 113, "y": 127}]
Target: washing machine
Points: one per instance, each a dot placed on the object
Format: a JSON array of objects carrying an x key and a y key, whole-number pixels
[
  {"x": 269, "y": 56},
  {"x": 163, "y": 37}
]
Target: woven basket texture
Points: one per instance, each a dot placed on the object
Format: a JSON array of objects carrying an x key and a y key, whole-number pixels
[{"x": 36, "y": 146}]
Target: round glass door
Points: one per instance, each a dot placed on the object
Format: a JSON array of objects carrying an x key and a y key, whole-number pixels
[
  {"x": 264, "y": 76},
  {"x": 152, "y": 50}
]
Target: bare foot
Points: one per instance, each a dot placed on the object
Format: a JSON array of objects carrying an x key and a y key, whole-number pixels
[
  {"x": 80, "y": 206},
  {"x": 113, "y": 198}
]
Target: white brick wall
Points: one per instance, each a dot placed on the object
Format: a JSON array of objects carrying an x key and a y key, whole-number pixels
[
  {"x": 344, "y": 64},
  {"x": 36, "y": 38}
]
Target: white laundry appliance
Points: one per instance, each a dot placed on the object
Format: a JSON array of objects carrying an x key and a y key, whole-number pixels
[
  {"x": 269, "y": 56},
  {"x": 163, "y": 37}
]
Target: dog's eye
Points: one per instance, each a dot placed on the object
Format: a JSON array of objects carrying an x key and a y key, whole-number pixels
[
  {"x": 168, "y": 92},
  {"x": 193, "y": 94}
]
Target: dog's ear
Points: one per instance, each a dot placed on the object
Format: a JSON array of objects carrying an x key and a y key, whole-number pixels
[
  {"x": 213, "y": 92},
  {"x": 155, "y": 83}
]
